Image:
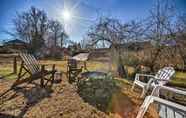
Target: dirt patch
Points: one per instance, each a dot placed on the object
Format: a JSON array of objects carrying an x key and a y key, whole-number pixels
[
  {"x": 31, "y": 101},
  {"x": 122, "y": 105}
]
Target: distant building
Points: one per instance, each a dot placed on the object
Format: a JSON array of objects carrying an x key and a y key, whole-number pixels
[
  {"x": 15, "y": 43},
  {"x": 13, "y": 46}
]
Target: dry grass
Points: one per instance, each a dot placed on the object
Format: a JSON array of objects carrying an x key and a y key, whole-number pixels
[
  {"x": 6, "y": 69},
  {"x": 57, "y": 100}
]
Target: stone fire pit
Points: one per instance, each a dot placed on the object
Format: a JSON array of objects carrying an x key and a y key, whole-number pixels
[
  {"x": 94, "y": 74},
  {"x": 102, "y": 92}
]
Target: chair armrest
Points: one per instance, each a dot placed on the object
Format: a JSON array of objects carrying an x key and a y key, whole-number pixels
[
  {"x": 156, "y": 81},
  {"x": 150, "y": 99},
  {"x": 138, "y": 75},
  {"x": 162, "y": 80},
  {"x": 174, "y": 90},
  {"x": 145, "y": 75},
  {"x": 158, "y": 88}
]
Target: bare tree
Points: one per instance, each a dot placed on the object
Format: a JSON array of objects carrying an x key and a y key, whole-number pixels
[
  {"x": 113, "y": 32},
  {"x": 64, "y": 37},
  {"x": 56, "y": 38},
  {"x": 58, "y": 33},
  {"x": 181, "y": 35},
  {"x": 160, "y": 27},
  {"x": 181, "y": 24},
  {"x": 31, "y": 27}
]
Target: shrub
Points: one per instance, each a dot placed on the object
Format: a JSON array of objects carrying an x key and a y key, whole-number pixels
[
  {"x": 131, "y": 60},
  {"x": 98, "y": 92}
]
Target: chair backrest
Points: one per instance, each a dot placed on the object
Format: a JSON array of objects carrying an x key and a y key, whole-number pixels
[
  {"x": 72, "y": 63},
  {"x": 30, "y": 62},
  {"x": 165, "y": 73}
]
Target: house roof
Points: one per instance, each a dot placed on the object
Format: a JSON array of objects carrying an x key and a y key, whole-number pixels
[{"x": 16, "y": 41}]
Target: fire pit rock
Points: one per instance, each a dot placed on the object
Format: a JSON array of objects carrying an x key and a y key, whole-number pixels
[{"x": 94, "y": 75}]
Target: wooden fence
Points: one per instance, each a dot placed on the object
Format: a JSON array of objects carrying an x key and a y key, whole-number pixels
[{"x": 14, "y": 57}]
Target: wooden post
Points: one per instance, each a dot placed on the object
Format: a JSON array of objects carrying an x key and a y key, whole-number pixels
[
  {"x": 53, "y": 73},
  {"x": 15, "y": 65},
  {"x": 85, "y": 65},
  {"x": 42, "y": 75}
]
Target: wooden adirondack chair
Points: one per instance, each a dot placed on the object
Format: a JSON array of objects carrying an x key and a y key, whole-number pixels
[
  {"x": 161, "y": 78},
  {"x": 72, "y": 70},
  {"x": 31, "y": 70}
]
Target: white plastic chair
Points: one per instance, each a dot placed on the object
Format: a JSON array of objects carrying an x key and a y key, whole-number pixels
[
  {"x": 161, "y": 78},
  {"x": 175, "y": 110}
]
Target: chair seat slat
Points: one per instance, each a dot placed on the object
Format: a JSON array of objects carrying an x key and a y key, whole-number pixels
[{"x": 32, "y": 61}]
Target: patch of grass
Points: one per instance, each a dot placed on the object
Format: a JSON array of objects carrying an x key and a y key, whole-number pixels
[
  {"x": 60, "y": 65},
  {"x": 123, "y": 81},
  {"x": 6, "y": 72},
  {"x": 179, "y": 80},
  {"x": 180, "y": 75},
  {"x": 6, "y": 69}
]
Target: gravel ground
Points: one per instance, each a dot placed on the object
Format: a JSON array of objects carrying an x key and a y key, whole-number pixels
[{"x": 60, "y": 101}]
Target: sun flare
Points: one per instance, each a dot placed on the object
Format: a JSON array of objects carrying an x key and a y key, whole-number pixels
[{"x": 67, "y": 15}]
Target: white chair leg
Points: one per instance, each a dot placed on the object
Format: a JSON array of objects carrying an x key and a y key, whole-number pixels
[
  {"x": 143, "y": 93},
  {"x": 144, "y": 107},
  {"x": 156, "y": 91}
]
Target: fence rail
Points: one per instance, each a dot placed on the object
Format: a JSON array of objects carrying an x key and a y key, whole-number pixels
[{"x": 14, "y": 56}]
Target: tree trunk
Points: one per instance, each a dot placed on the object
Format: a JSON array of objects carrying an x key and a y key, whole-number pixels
[
  {"x": 121, "y": 71},
  {"x": 120, "y": 67},
  {"x": 183, "y": 56},
  {"x": 154, "y": 59}
]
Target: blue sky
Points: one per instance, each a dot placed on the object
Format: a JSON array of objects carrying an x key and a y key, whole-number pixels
[{"x": 85, "y": 12}]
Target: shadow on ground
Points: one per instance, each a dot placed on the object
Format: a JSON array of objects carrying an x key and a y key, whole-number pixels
[
  {"x": 6, "y": 116},
  {"x": 33, "y": 94}
]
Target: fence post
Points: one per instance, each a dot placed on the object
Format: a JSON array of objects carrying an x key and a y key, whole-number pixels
[{"x": 15, "y": 65}]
